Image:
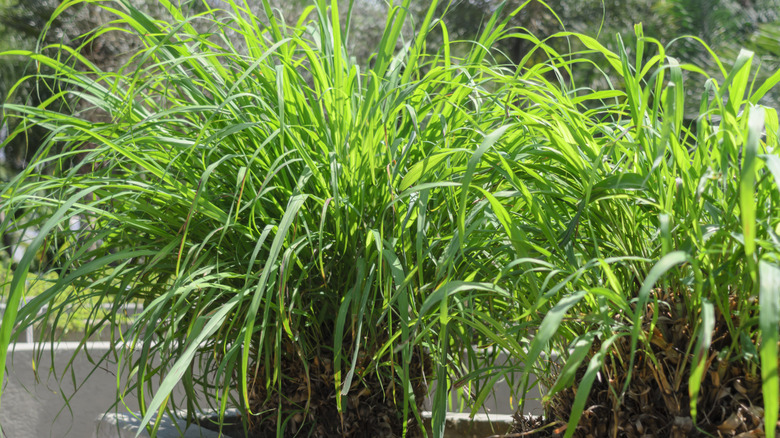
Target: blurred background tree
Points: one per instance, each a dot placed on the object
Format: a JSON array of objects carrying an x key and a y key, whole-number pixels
[
  {"x": 725, "y": 25},
  {"x": 21, "y": 27}
]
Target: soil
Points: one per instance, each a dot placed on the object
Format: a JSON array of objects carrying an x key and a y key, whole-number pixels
[
  {"x": 657, "y": 403},
  {"x": 372, "y": 407}
]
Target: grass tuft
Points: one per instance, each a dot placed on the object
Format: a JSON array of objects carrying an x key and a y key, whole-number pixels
[{"x": 280, "y": 209}]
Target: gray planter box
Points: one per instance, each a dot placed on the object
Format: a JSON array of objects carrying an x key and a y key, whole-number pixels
[
  {"x": 52, "y": 407},
  {"x": 61, "y": 405},
  {"x": 126, "y": 426},
  {"x": 66, "y": 405}
]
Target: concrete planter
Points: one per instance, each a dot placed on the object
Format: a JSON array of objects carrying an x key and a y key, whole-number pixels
[
  {"x": 494, "y": 418},
  {"x": 52, "y": 407},
  {"x": 67, "y": 404},
  {"x": 126, "y": 426},
  {"x": 64, "y": 404}
]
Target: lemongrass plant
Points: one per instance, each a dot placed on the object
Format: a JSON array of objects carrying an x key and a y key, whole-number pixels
[
  {"x": 649, "y": 253},
  {"x": 285, "y": 214},
  {"x": 294, "y": 225}
]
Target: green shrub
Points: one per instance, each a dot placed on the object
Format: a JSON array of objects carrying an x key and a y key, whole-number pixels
[
  {"x": 630, "y": 216},
  {"x": 272, "y": 201},
  {"x": 268, "y": 204}
]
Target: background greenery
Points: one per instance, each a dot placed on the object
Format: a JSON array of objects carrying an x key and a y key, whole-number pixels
[{"x": 725, "y": 25}]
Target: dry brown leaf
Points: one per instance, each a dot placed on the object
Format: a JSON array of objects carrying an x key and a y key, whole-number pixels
[
  {"x": 739, "y": 387},
  {"x": 732, "y": 423},
  {"x": 715, "y": 379}
]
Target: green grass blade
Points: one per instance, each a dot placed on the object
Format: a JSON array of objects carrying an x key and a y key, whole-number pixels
[
  {"x": 262, "y": 290},
  {"x": 184, "y": 362},
  {"x": 475, "y": 158},
  {"x": 585, "y": 384},
  {"x": 701, "y": 355},
  {"x": 548, "y": 328},
  {"x": 747, "y": 180},
  {"x": 566, "y": 377},
  {"x": 769, "y": 324},
  {"x": 21, "y": 271},
  {"x": 667, "y": 262}
]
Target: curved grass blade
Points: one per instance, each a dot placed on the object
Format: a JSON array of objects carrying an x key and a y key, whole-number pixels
[
  {"x": 547, "y": 329},
  {"x": 583, "y": 388},
  {"x": 663, "y": 266},
  {"x": 20, "y": 275},
  {"x": 261, "y": 290},
  {"x": 184, "y": 362}
]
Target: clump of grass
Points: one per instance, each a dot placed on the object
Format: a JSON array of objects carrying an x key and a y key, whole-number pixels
[
  {"x": 632, "y": 201},
  {"x": 278, "y": 211},
  {"x": 281, "y": 210}
]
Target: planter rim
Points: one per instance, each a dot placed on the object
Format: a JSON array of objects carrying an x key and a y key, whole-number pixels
[{"x": 458, "y": 425}]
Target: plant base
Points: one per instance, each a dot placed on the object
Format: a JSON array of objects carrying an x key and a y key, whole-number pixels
[{"x": 657, "y": 402}]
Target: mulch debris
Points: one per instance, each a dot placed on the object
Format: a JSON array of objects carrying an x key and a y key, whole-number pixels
[{"x": 657, "y": 402}]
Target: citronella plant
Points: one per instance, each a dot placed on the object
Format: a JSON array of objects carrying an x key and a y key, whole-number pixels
[
  {"x": 653, "y": 255},
  {"x": 296, "y": 226}
]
